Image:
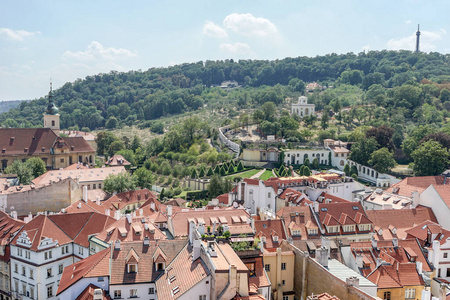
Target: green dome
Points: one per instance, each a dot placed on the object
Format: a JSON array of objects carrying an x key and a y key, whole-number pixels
[{"x": 52, "y": 109}]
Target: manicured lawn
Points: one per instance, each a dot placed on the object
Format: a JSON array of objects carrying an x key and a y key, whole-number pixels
[
  {"x": 247, "y": 174},
  {"x": 266, "y": 175}
]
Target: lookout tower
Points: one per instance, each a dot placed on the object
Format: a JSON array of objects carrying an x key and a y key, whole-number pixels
[{"x": 417, "y": 38}]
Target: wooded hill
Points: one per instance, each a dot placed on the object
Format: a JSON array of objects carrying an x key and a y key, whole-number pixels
[{"x": 135, "y": 97}]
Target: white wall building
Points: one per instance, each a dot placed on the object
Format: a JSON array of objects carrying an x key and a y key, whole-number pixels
[
  {"x": 302, "y": 108},
  {"x": 256, "y": 194}
]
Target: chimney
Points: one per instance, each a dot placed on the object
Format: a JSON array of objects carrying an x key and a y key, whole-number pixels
[
  {"x": 196, "y": 249},
  {"x": 117, "y": 215},
  {"x": 359, "y": 261},
  {"x": 325, "y": 242},
  {"x": 322, "y": 256},
  {"x": 169, "y": 210},
  {"x": 233, "y": 273},
  {"x": 379, "y": 261},
  {"x": 79, "y": 205},
  {"x": 14, "y": 214},
  {"x": 98, "y": 294},
  {"x": 415, "y": 199},
  {"x": 146, "y": 241},
  {"x": 98, "y": 200},
  {"x": 141, "y": 212},
  {"x": 129, "y": 219},
  {"x": 419, "y": 266},
  {"x": 152, "y": 206},
  {"x": 85, "y": 193},
  {"x": 374, "y": 243},
  {"x": 316, "y": 206},
  {"x": 117, "y": 245},
  {"x": 108, "y": 212},
  {"x": 395, "y": 242},
  {"x": 353, "y": 281}
]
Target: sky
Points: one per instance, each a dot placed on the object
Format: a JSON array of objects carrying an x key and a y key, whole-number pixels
[{"x": 62, "y": 41}]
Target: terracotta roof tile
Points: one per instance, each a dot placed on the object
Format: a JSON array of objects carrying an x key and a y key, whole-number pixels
[
  {"x": 96, "y": 265},
  {"x": 298, "y": 218},
  {"x": 181, "y": 275},
  {"x": 117, "y": 160},
  {"x": 266, "y": 227},
  {"x": 88, "y": 293}
]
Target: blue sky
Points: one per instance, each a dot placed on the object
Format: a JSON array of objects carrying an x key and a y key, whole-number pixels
[{"x": 66, "y": 40}]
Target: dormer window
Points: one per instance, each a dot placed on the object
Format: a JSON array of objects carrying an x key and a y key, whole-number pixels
[
  {"x": 275, "y": 238},
  {"x": 132, "y": 268},
  {"x": 160, "y": 266},
  {"x": 263, "y": 239}
]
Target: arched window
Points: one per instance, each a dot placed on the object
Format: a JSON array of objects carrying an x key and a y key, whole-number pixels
[
  {"x": 342, "y": 162},
  {"x": 53, "y": 122}
]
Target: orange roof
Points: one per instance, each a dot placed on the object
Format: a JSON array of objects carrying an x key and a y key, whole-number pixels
[
  {"x": 401, "y": 219},
  {"x": 260, "y": 279},
  {"x": 181, "y": 275},
  {"x": 342, "y": 213},
  {"x": 298, "y": 218},
  {"x": 83, "y": 206},
  {"x": 396, "y": 276},
  {"x": 181, "y": 219},
  {"x": 14, "y": 226},
  {"x": 419, "y": 184},
  {"x": 266, "y": 228},
  {"x": 119, "y": 201},
  {"x": 145, "y": 270},
  {"x": 83, "y": 175},
  {"x": 323, "y": 296},
  {"x": 88, "y": 293},
  {"x": 96, "y": 265},
  {"x": 117, "y": 160},
  {"x": 422, "y": 229},
  {"x": 334, "y": 199},
  {"x": 76, "y": 167}
]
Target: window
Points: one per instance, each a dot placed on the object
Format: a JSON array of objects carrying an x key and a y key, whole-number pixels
[
  {"x": 94, "y": 186},
  {"x": 60, "y": 268},
  {"x": 202, "y": 297},
  {"x": 61, "y": 160},
  {"x": 285, "y": 297},
  {"x": 133, "y": 293},
  {"x": 448, "y": 272},
  {"x": 80, "y": 250},
  {"x": 269, "y": 195},
  {"x": 410, "y": 293},
  {"x": 24, "y": 273},
  {"x": 283, "y": 282},
  {"x": 24, "y": 288},
  {"x": 16, "y": 268},
  {"x": 387, "y": 296},
  {"x": 445, "y": 254},
  {"x": 267, "y": 267},
  {"x": 117, "y": 294},
  {"x": 19, "y": 252},
  {"x": 132, "y": 268},
  {"x": 49, "y": 292},
  {"x": 49, "y": 272},
  {"x": 31, "y": 274},
  {"x": 151, "y": 291},
  {"x": 439, "y": 272},
  {"x": 159, "y": 266},
  {"x": 283, "y": 266},
  {"x": 101, "y": 279},
  {"x": 31, "y": 292},
  {"x": 53, "y": 123},
  {"x": 27, "y": 254}
]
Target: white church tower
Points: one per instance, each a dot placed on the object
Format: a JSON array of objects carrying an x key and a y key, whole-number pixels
[
  {"x": 51, "y": 115},
  {"x": 302, "y": 108}
]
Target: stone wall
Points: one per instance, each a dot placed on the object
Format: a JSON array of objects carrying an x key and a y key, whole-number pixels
[
  {"x": 233, "y": 146},
  {"x": 52, "y": 197}
]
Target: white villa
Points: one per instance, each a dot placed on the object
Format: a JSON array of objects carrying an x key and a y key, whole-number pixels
[{"x": 302, "y": 108}]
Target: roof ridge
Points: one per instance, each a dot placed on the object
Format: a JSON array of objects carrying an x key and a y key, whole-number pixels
[
  {"x": 58, "y": 228},
  {"x": 81, "y": 229}
]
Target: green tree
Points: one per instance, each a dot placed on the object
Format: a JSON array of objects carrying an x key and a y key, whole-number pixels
[
  {"x": 301, "y": 171},
  {"x": 201, "y": 174},
  {"x": 430, "y": 158},
  {"x": 363, "y": 149},
  {"x": 347, "y": 170},
  {"x": 37, "y": 166},
  {"x": 353, "y": 170},
  {"x": 306, "y": 171},
  {"x": 136, "y": 143},
  {"x": 22, "y": 170},
  {"x": 112, "y": 123},
  {"x": 194, "y": 174},
  {"x": 104, "y": 139},
  {"x": 143, "y": 178},
  {"x": 382, "y": 160},
  {"x": 315, "y": 164},
  {"x": 115, "y": 147},
  {"x": 118, "y": 183},
  {"x": 162, "y": 195},
  {"x": 306, "y": 162},
  {"x": 240, "y": 166},
  {"x": 217, "y": 169},
  {"x": 210, "y": 171},
  {"x": 324, "y": 120},
  {"x": 223, "y": 172},
  {"x": 231, "y": 169}
]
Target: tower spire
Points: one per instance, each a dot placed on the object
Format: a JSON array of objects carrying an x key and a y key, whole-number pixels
[{"x": 417, "y": 38}]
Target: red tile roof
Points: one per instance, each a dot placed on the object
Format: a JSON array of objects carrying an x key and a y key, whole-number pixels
[
  {"x": 396, "y": 276},
  {"x": 181, "y": 219},
  {"x": 88, "y": 293},
  {"x": 181, "y": 275},
  {"x": 400, "y": 219},
  {"x": 298, "y": 218},
  {"x": 334, "y": 199},
  {"x": 260, "y": 279},
  {"x": 342, "y": 213},
  {"x": 419, "y": 184},
  {"x": 422, "y": 230},
  {"x": 146, "y": 270},
  {"x": 14, "y": 226},
  {"x": 119, "y": 201},
  {"x": 37, "y": 141},
  {"x": 267, "y": 228},
  {"x": 294, "y": 196},
  {"x": 83, "y": 206},
  {"x": 117, "y": 160},
  {"x": 96, "y": 265},
  {"x": 83, "y": 175},
  {"x": 323, "y": 296}
]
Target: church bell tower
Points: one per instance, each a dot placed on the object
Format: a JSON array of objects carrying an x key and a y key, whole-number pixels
[{"x": 51, "y": 115}]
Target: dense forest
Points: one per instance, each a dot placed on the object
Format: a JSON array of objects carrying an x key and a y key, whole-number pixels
[{"x": 413, "y": 83}]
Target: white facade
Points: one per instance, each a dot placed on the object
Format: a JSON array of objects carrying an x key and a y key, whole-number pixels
[
  {"x": 302, "y": 108},
  {"x": 431, "y": 198},
  {"x": 298, "y": 156},
  {"x": 127, "y": 291},
  {"x": 256, "y": 196},
  {"x": 199, "y": 291},
  {"x": 439, "y": 256},
  {"x": 36, "y": 274}
]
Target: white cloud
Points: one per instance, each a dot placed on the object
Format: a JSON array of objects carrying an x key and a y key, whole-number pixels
[
  {"x": 213, "y": 30},
  {"x": 408, "y": 22},
  {"x": 96, "y": 51},
  {"x": 366, "y": 48},
  {"x": 236, "y": 48},
  {"x": 17, "y": 35},
  {"x": 248, "y": 25},
  {"x": 427, "y": 41}
]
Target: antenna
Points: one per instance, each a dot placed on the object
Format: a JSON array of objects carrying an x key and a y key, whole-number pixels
[{"x": 417, "y": 38}]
